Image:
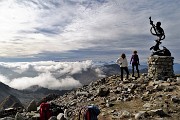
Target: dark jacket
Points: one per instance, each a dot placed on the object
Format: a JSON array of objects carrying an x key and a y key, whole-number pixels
[{"x": 134, "y": 59}]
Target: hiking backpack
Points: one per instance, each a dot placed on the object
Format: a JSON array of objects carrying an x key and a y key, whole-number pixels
[
  {"x": 45, "y": 111},
  {"x": 90, "y": 112}
]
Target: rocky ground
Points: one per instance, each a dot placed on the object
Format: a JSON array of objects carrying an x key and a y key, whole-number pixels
[
  {"x": 141, "y": 98},
  {"x": 133, "y": 99}
]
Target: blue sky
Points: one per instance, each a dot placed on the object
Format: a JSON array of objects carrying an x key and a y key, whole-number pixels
[{"x": 70, "y": 30}]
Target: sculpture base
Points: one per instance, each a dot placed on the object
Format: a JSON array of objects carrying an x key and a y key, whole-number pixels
[{"x": 160, "y": 67}]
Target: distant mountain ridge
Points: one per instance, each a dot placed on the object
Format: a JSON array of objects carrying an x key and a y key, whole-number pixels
[
  {"x": 25, "y": 96},
  {"x": 111, "y": 69},
  {"x": 143, "y": 67},
  {"x": 176, "y": 68}
]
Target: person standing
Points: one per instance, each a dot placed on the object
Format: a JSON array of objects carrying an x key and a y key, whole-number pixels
[
  {"x": 122, "y": 61},
  {"x": 135, "y": 62}
]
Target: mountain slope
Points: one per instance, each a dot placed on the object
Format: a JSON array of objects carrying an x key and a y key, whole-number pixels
[
  {"x": 141, "y": 98},
  {"x": 26, "y": 96},
  {"x": 10, "y": 102}
]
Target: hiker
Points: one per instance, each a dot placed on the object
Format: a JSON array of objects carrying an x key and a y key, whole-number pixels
[
  {"x": 135, "y": 62},
  {"x": 90, "y": 112},
  {"x": 122, "y": 61}
]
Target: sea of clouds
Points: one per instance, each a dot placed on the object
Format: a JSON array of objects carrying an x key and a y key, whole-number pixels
[{"x": 47, "y": 74}]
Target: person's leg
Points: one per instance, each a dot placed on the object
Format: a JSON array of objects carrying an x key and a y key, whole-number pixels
[
  {"x": 127, "y": 71},
  {"x": 132, "y": 70},
  {"x": 137, "y": 69},
  {"x": 121, "y": 73}
]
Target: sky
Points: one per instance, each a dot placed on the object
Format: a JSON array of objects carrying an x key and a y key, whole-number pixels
[{"x": 77, "y": 30}]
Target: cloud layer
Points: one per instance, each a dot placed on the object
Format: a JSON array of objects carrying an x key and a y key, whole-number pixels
[
  {"x": 49, "y": 74},
  {"x": 38, "y": 29}
]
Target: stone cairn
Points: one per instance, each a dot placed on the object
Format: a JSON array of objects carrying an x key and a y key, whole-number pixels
[{"x": 160, "y": 67}]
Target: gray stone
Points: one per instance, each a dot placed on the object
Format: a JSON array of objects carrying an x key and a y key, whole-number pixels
[
  {"x": 19, "y": 116},
  {"x": 53, "y": 118},
  {"x": 68, "y": 113},
  {"x": 109, "y": 104},
  {"x": 103, "y": 91},
  {"x": 78, "y": 93},
  {"x": 141, "y": 115},
  {"x": 36, "y": 116},
  {"x": 60, "y": 116},
  {"x": 175, "y": 99},
  {"x": 178, "y": 80},
  {"x": 169, "y": 89},
  {"x": 147, "y": 105},
  {"x": 158, "y": 112},
  {"x": 7, "y": 118},
  {"x": 125, "y": 114}
]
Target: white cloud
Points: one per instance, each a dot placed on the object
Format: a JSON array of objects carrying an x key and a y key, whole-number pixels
[
  {"x": 4, "y": 79},
  {"x": 100, "y": 73},
  {"x": 44, "y": 80},
  {"x": 48, "y": 74}
]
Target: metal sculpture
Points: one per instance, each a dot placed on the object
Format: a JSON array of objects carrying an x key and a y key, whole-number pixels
[{"x": 156, "y": 30}]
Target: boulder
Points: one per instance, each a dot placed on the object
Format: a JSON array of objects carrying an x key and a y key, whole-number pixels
[
  {"x": 19, "y": 116},
  {"x": 53, "y": 118},
  {"x": 60, "y": 116},
  {"x": 103, "y": 91}
]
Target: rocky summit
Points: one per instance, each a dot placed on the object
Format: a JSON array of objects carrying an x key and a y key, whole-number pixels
[
  {"x": 141, "y": 98},
  {"x": 131, "y": 99}
]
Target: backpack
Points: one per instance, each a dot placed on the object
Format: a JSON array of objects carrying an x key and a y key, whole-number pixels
[
  {"x": 45, "y": 111},
  {"x": 90, "y": 112}
]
